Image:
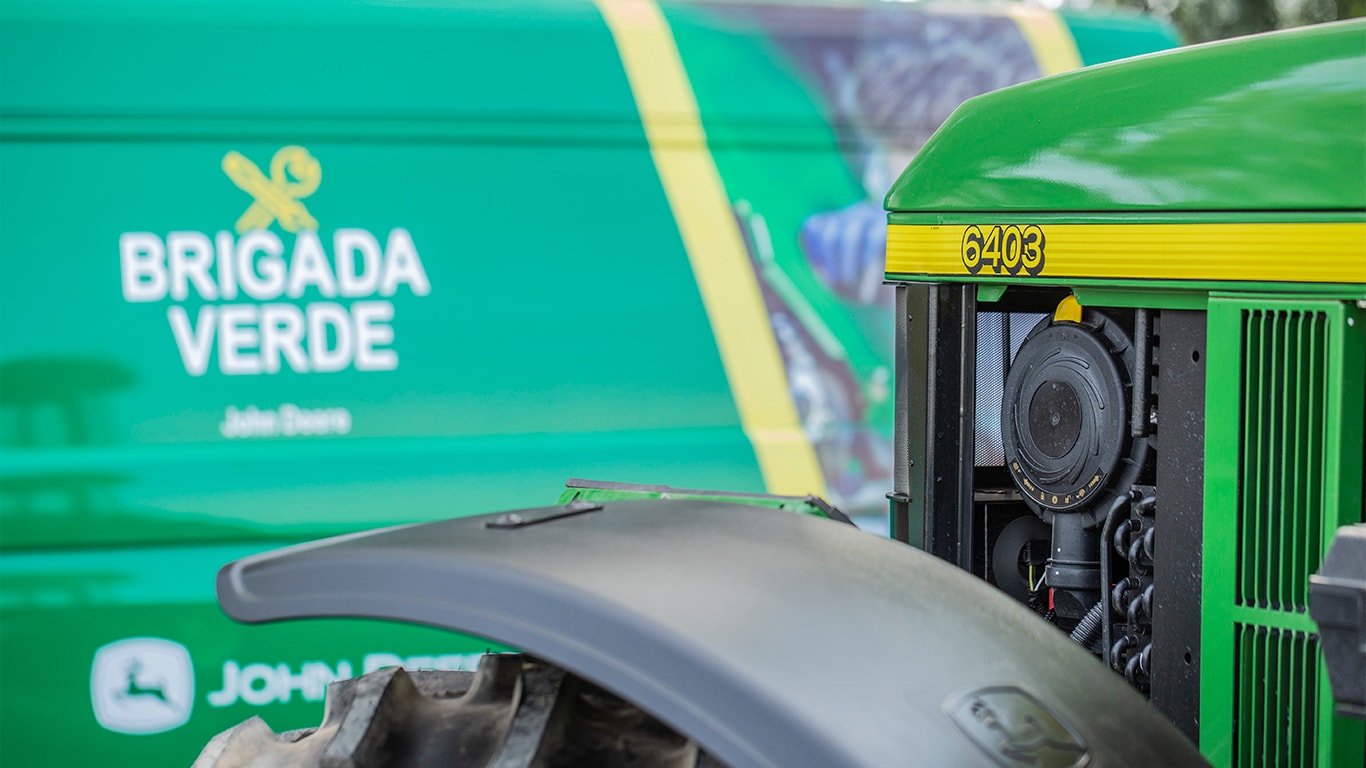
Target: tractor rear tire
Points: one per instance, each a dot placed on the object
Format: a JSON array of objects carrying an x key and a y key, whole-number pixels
[{"x": 514, "y": 712}]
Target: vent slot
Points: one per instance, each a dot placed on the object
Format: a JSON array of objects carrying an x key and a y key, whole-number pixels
[
  {"x": 1277, "y": 691},
  {"x": 1280, "y": 508}
]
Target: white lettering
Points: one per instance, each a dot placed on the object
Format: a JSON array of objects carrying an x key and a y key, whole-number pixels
[
  {"x": 375, "y": 661},
  {"x": 346, "y": 243},
  {"x": 256, "y": 338},
  {"x": 289, "y": 421},
  {"x": 324, "y": 357},
  {"x": 259, "y": 684},
  {"x": 282, "y": 333},
  {"x": 227, "y": 279},
  {"x": 453, "y": 662},
  {"x": 144, "y": 266},
  {"x": 318, "y": 675},
  {"x": 402, "y": 265},
  {"x": 227, "y": 695},
  {"x": 190, "y": 257},
  {"x": 372, "y": 328},
  {"x": 194, "y": 344},
  {"x": 248, "y": 689},
  {"x": 286, "y": 683},
  {"x": 237, "y": 335},
  {"x": 319, "y": 421},
  {"x": 248, "y": 422},
  {"x": 308, "y": 266},
  {"x": 263, "y": 279}
]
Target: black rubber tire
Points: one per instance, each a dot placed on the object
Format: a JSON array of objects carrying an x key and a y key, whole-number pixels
[{"x": 514, "y": 712}]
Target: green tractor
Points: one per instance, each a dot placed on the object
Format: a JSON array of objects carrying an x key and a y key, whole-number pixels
[{"x": 1130, "y": 307}]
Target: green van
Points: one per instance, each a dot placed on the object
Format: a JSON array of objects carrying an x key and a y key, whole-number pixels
[{"x": 271, "y": 271}]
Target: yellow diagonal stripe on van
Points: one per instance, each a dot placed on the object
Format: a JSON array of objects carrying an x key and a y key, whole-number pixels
[
  {"x": 720, "y": 263},
  {"x": 1046, "y": 34},
  {"x": 1263, "y": 252},
  {"x": 1054, "y": 48}
]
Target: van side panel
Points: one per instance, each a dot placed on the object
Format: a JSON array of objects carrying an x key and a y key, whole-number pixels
[{"x": 276, "y": 270}]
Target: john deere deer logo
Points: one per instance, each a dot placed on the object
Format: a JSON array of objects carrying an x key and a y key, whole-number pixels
[
  {"x": 1016, "y": 729},
  {"x": 142, "y": 685},
  {"x": 137, "y": 688}
]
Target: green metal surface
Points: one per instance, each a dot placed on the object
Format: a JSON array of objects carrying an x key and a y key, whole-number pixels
[
  {"x": 1262, "y": 131},
  {"x": 559, "y": 332},
  {"x": 809, "y": 505},
  {"x": 1105, "y": 37},
  {"x": 60, "y": 609},
  {"x": 751, "y": 152},
  {"x": 1255, "y": 124},
  {"x": 112, "y": 439},
  {"x": 418, "y": 62},
  {"x": 1283, "y": 458}
]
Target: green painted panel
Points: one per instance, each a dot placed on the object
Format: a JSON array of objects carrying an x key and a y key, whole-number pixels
[
  {"x": 835, "y": 344},
  {"x": 234, "y": 62},
  {"x": 810, "y": 113},
  {"x": 468, "y": 347},
  {"x": 1283, "y": 457},
  {"x": 525, "y": 354},
  {"x": 1274, "y": 122},
  {"x": 276, "y": 490},
  {"x": 97, "y": 649},
  {"x": 554, "y": 329},
  {"x": 1101, "y": 38}
]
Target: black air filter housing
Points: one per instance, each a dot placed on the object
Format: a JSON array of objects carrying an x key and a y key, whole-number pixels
[{"x": 1065, "y": 416}]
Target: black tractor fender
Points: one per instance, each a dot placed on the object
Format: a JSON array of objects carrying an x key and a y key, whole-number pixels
[{"x": 770, "y": 638}]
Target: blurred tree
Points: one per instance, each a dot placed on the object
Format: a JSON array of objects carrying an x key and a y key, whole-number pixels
[{"x": 1203, "y": 20}]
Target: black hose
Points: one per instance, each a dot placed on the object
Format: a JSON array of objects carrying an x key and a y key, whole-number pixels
[
  {"x": 1146, "y": 503},
  {"x": 1120, "y": 594},
  {"x": 1131, "y": 669},
  {"x": 1111, "y": 518},
  {"x": 1121, "y": 645},
  {"x": 1132, "y": 614},
  {"x": 1088, "y": 629},
  {"x": 1121, "y": 536},
  {"x": 1134, "y": 556}
]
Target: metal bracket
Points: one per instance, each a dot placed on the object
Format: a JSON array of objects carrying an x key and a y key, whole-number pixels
[{"x": 513, "y": 520}]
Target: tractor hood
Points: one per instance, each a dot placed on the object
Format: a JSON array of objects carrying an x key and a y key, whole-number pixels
[
  {"x": 1272, "y": 123},
  {"x": 770, "y": 638}
]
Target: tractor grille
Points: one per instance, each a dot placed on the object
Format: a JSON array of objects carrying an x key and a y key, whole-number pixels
[
  {"x": 1280, "y": 512},
  {"x": 1277, "y": 695},
  {"x": 1283, "y": 460}
]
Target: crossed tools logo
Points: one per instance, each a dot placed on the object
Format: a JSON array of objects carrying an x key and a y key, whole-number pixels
[
  {"x": 142, "y": 685},
  {"x": 273, "y": 293},
  {"x": 277, "y": 197}
]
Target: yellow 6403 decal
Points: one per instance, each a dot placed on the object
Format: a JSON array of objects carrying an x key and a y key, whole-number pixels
[{"x": 1006, "y": 249}]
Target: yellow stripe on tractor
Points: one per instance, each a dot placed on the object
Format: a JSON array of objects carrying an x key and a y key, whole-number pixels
[{"x": 1289, "y": 252}]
